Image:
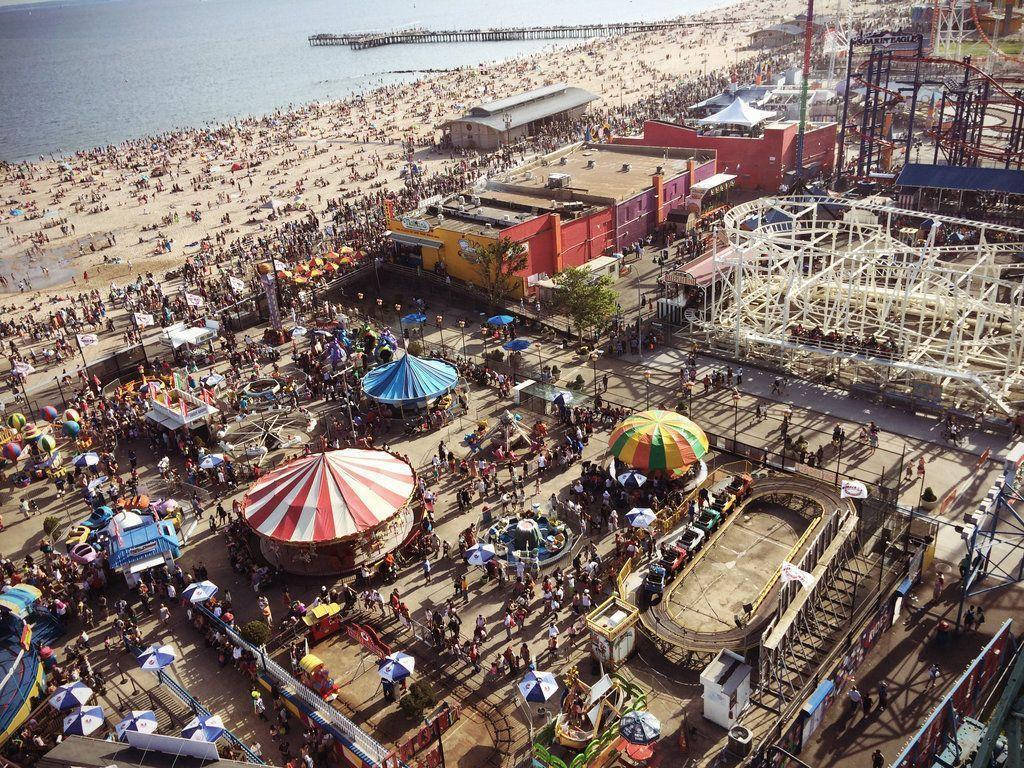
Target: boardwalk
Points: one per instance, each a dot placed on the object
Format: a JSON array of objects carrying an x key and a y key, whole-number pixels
[{"x": 561, "y": 32}]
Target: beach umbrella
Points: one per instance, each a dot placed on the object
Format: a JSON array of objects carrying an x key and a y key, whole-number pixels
[
  {"x": 71, "y": 695},
  {"x": 657, "y": 439},
  {"x": 538, "y": 686},
  {"x": 632, "y": 479},
  {"x": 47, "y": 443},
  {"x": 97, "y": 482},
  {"x": 638, "y": 753},
  {"x": 396, "y": 666},
  {"x": 639, "y": 727},
  {"x": 516, "y": 345},
  {"x": 72, "y": 415},
  {"x": 563, "y": 398},
  {"x": 72, "y": 428},
  {"x": 12, "y": 451},
  {"x": 414, "y": 318},
  {"x": 140, "y": 720},
  {"x": 83, "y": 721},
  {"x": 156, "y": 657},
  {"x": 90, "y": 459},
  {"x": 200, "y": 591},
  {"x": 211, "y": 461},
  {"x": 49, "y": 413},
  {"x": 479, "y": 554},
  {"x": 501, "y": 320},
  {"x": 204, "y": 728},
  {"x": 16, "y": 420},
  {"x": 640, "y": 517}
]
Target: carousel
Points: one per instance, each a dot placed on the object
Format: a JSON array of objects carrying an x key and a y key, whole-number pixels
[{"x": 330, "y": 513}]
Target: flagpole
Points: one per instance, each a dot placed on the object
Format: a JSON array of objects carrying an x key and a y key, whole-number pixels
[
  {"x": 85, "y": 363},
  {"x": 138, "y": 332}
]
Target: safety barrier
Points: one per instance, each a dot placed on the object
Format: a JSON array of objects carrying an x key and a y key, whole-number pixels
[{"x": 787, "y": 559}]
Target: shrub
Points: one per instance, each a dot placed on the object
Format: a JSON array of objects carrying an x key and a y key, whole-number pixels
[
  {"x": 417, "y": 700},
  {"x": 50, "y": 525},
  {"x": 578, "y": 383},
  {"x": 255, "y": 632},
  {"x": 928, "y": 495},
  {"x": 414, "y": 347}
]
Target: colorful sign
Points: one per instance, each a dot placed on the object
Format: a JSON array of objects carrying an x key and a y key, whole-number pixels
[
  {"x": 416, "y": 225},
  {"x": 368, "y": 638}
]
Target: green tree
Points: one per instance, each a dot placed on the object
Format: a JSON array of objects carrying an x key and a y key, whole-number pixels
[
  {"x": 255, "y": 632},
  {"x": 499, "y": 265},
  {"x": 588, "y": 299}
]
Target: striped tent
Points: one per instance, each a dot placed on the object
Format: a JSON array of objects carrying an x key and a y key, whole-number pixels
[
  {"x": 410, "y": 381},
  {"x": 658, "y": 440},
  {"x": 329, "y": 496}
]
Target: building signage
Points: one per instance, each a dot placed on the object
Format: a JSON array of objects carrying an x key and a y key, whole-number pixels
[
  {"x": 416, "y": 225},
  {"x": 887, "y": 39},
  {"x": 368, "y": 638}
]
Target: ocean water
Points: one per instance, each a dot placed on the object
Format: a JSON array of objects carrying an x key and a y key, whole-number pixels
[{"x": 76, "y": 75}]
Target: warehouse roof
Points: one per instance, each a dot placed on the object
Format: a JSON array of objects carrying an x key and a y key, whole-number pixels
[
  {"x": 963, "y": 179},
  {"x": 527, "y": 107}
]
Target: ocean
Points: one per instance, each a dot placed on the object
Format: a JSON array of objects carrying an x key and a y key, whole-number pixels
[{"x": 79, "y": 75}]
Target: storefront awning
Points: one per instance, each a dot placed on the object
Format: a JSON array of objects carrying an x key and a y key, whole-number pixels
[
  {"x": 415, "y": 240},
  {"x": 145, "y": 565}
]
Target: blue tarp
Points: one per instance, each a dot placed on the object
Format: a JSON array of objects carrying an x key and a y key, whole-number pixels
[
  {"x": 962, "y": 179},
  {"x": 410, "y": 381}
]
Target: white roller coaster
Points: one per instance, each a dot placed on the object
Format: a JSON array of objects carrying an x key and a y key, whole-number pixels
[{"x": 924, "y": 305}]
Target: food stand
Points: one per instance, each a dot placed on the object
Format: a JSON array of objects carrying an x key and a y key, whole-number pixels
[{"x": 613, "y": 632}]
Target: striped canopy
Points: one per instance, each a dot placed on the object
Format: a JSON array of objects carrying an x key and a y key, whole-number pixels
[
  {"x": 328, "y": 496},
  {"x": 658, "y": 440},
  {"x": 410, "y": 381}
]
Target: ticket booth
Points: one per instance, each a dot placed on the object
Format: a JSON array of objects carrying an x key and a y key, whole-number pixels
[
  {"x": 613, "y": 632},
  {"x": 726, "y": 682}
]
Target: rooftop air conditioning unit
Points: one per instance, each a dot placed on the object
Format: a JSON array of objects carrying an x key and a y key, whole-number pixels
[
  {"x": 506, "y": 218},
  {"x": 543, "y": 161},
  {"x": 558, "y": 180},
  {"x": 475, "y": 200},
  {"x": 462, "y": 201},
  {"x": 626, "y": 167},
  {"x": 528, "y": 175},
  {"x": 591, "y": 163}
]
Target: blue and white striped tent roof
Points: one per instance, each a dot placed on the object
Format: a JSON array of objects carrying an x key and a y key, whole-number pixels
[{"x": 410, "y": 381}]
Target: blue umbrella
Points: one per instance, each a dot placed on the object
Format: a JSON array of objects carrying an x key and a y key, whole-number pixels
[
  {"x": 199, "y": 592},
  {"x": 516, "y": 345},
  {"x": 641, "y": 517},
  {"x": 157, "y": 657},
  {"x": 538, "y": 686},
  {"x": 563, "y": 398},
  {"x": 501, "y": 320},
  {"x": 204, "y": 728},
  {"x": 141, "y": 720},
  {"x": 632, "y": 479},
  {"x": 479, "y": 554},
  {"x": 71, "y": 695},
  {"x": 640, "y": 728},
  {"x": 396, "y": 666},
  {"x": 414, "y": 318},
  {"x": 89, "y": 459},
  {"x": 83, "y": 721}
]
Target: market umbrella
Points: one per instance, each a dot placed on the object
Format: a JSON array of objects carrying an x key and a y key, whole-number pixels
[
  {"x": 638, "y": 753},
  {"x": 563, "y": 398},
  {"x": 640, "y": 517},
  {"x": 414, "y": 318},
  {"x": 632, "y": 479},
  {"x": 516, "y": 345},
  {"x": 501, "y": 320},
  {"x": 157, "y": 657},
  {"x": 94, "y": 484},
  {"x": 479, "y": 554},
  {"x": 90, "y": 459},
  {"x": 211, "y": 460},
  {"x": 538, "y": 686},
  {"x": 204, "y": 728},
  {"x": 83, "y": 721},
  {"x": 639, "y": 727},
  {"x": 200, "y": 591},
  {"x": 70, "y": 695},
  {"x": 141, "y": 720},
  {"x": 657, "y": 439},
  {"x": 396, "y": 666}
]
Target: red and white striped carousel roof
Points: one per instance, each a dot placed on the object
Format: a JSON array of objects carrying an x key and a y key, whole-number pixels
[{"x": 328, "y": 496}]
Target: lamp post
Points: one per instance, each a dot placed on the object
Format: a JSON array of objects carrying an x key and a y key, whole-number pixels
[
  {"x": 380, "y": 309},
  {"x": 440, "y": 330},
  {"x": 401, "y": 328},
  {"x": 647, "y": 387},
  {"x": 593, "y": 362},
  {"x": 839, "y": 454},
  {"x": 462, "y": 330},
  {"x": 359, "y": 298},
  {"x": 735, "y": 416},
  {"x": 689, "y": 399}
]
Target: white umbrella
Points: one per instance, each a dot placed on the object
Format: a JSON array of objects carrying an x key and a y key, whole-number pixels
[
  {"x": 396, "y": 666},
  {"x": 538, "y": 686},
  {"x": 83, "y": 721},
  {"x": 89, "y": 459},
  {"x": 157, "y": 657},
  {"x": 70, "y": 696},
  {"x": 141, "y": 720},
  {"x": 211, "y": 461},
  {"x": 479, "y": 554},
  {"x": 199, "y": 592},
  {"x": 94, "y": 484},
  {"x": 641, "y": 517},
  {"x": 204, "y": 728}
]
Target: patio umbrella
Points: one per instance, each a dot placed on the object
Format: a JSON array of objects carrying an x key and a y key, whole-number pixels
[
  {"x": 638, "y": 753},
  {"x": 563, "y": 398},
  {"x": 70, "y": 695},
  {"x": 538, "y": 686},
  {"x": 94, "y": 484},
  {"x": 639, "y": 727},
  {"x": 204, "y": 728},
  {"x": 657, "y": 439},
  {"x": 141, "y": 720},
  {"x": 396, "y": 666},
  {"x": 157, "y": 657},
  {"x": 479, "y": 554},
  {"x": 641, "y": 517},
  {"x": 516, "y": 345},
  {"x": 83, "y": 721},
  {"x": 298, "y": 331},
  {"x": 632, "y": 479},
  {"x": 199, "y": 592},
  {"x": 501, "y": 320},
  {"x": 211, "y": 460},
  {"x": 89, "y": 459},
  {"x": 414, "y": 318}
]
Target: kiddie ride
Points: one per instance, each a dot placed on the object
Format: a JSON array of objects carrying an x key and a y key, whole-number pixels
[{"x": 315, "y": 675}]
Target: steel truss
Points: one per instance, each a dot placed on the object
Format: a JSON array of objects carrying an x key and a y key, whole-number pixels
[{"x": 826, "y": 286}]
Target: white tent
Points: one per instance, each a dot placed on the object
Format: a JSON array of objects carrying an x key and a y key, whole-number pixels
[
  {"x": 738, "y": 113},
  {"x": 179, "y": 333}
]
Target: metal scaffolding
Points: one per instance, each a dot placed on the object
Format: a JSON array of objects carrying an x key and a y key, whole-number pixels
[{"x": 863, "y": 293}]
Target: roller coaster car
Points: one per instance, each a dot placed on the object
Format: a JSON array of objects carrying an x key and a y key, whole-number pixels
[
  {"x": 691, "y": 539},
  {"x": 708, "y": 520},
  {"x": 77, "y": 534},
  {"x": 654, "y": 582},
  {"x": 673, "y": 558},
  {"x": 740, "y": 486}
]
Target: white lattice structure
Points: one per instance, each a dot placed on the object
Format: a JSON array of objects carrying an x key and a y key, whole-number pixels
[
  {"x": 950, "y": 20},
  {"x": 860, "y": 292}
]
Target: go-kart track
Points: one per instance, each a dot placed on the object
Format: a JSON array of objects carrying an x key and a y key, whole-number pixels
[{"x": 739, "y": 566}]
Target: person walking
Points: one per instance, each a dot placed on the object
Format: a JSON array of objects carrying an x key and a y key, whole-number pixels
[
  {"x": 877, "y": 759},
  {"x": 979, "y": 619},
  {"x": 855, "y": 700},
  {"x": 258, "y": 706},
  {"x": 933, "y": 674},
  {"x": 940, "y": 582},
  {"x": 866, "y": 704},
  {"x": 883, "y": 695},
  {"x": 426, "y": 570}
]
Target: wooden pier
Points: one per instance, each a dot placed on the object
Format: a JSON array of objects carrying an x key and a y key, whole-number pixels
[{"x": 562, "y": 32}]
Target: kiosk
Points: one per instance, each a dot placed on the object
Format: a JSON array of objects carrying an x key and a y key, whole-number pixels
[
  {"x": 726, "y": 682},
  {"x": 613, "y": 632}
]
